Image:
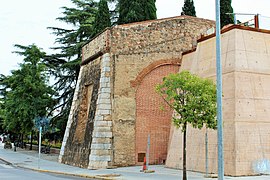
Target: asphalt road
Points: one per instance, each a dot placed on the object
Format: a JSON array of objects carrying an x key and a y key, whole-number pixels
[{"x": 9, "y": 172}]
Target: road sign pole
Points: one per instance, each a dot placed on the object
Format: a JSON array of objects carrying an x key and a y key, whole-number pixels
[
  {"x": 219, "y": 95},
  {"x": 39, "y": 146}
]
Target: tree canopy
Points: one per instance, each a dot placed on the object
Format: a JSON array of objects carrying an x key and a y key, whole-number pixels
[
  {"x": 102, "y": 18},
  {"x": 135, "y": 11},
  {"x": 189, "y": 8},
  {"x": 65, "y": 64},
  {"x": 193, "y": 100},
  {"x": 225, "y": 7},
  {"x": 26, "y": 94}
]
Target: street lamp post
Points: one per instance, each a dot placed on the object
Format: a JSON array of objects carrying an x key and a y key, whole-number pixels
[{"x": 219, "y": 94}]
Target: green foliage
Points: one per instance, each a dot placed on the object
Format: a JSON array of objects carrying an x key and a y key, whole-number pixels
[
  {"x": 137, "y": 10},
  {"x": 189, "y": 8},
  {"x": 25, "y": 92},
  {"x": 192, "y": 98},
  {"x": 102, "y": 18},
  {"x": 225, "y": 7},
  {"x": 65, "y": 65}
]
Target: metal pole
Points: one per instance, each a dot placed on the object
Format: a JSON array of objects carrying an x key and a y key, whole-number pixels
[
  {"x": 39, "y": 146},
  {"x": 256, "y": 20},
  {"x": 206, "y": 153},
  {"x": 147, "y": 151},
  {"x": 219, "y": 95}
]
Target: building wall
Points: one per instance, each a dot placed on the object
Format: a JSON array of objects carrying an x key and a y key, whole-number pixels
[
  {"x": 127, "y": 55},
  {"x": 136, "y": 50},
  {"x": 78, "y": 137},
  {"x": 246, "y": 105},
  {"x": 153, "y": 117}
]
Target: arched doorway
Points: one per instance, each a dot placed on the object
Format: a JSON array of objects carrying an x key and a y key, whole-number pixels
[{"x": 150, "y": 118}]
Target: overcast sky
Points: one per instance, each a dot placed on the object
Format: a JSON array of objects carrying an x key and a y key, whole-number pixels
[{"x": 25, "y": 22}]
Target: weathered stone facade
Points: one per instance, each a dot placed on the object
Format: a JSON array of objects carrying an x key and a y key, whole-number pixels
[
  {"x": 78, "y": 135},
  {"x": 132, "y": 59},
  {"x": 245, "y": 54}
]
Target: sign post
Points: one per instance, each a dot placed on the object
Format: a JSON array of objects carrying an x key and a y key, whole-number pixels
[
  {"x": 219, "y": 95},
  {"x": 39, "y": 146}
]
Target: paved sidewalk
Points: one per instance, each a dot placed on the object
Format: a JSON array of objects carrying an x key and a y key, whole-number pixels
[{"x": 48, "y": 163}]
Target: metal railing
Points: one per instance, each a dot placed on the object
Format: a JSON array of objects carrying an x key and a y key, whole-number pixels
[{"x": 252, "y": 20}]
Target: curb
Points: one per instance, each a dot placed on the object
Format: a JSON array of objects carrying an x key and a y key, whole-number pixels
[
  {"x": 69, "y": 174},
  {"x": 63, "y": 173},
  {"x": 8, "y": 163}
]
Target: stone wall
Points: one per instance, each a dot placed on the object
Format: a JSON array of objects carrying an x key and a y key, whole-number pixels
[
  {"x": 246, "y": 105},
  {"x": 76, "y": 145},
  {"x": 126, "y": 54},
  {"x": 134, "y": 49}
]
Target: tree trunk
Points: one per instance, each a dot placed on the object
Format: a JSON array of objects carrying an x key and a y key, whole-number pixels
[
  {"x": 185, "y": 152},
  {"x": 22, "y": 142},
  {"x": 31, "y": 141}
]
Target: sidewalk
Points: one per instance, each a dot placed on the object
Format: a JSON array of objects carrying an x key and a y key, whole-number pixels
[{"x": 48, "y": 163}]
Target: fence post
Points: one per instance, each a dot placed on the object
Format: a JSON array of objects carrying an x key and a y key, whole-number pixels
[{"x": 256, "y": 19}]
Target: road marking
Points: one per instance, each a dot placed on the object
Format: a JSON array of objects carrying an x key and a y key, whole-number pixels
[{"x": 6, "y": 166}]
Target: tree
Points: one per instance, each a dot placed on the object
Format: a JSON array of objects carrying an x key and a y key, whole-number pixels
[
  {"x": 102, "y": 18},
  {"x": 135, "y": 11},
  {"x": 189, "y": 8},
  {"x": 225, "y": 7},
  {"x": 26, "y": 93},
  {"x": 65, "y": 65},
  {"x": 193, "y": 100}
]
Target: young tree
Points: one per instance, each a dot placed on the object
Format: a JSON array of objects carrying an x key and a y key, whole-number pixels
[
  {"x": 26, "y": 93},
  {"x": 225, "y": 7},
  {"x": 189, "y": 8},
  {"x": 193, "y": 100},
  {"x": 102, "y": 18},
  {"x": 135, "y": 11}
]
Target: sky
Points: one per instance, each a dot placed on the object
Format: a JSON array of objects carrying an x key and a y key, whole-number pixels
[{"x": 25, "y": 22}]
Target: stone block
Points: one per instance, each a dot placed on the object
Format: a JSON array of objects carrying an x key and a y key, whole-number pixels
[
  {"x": 104, "y": 106},
  {"x": 108, "y": 118},
  {"x": 102, "y": 134},
  {"x": 104, "y": 96},
  {"x": 100, "y": 158},
  {"x": 99, "y": 118},
  {"x": 98, "y": 164},
  {"x": 105, "y": 85},
  {"x": 101, "y": 141},
  {"x": 101, "y": 152},
  {"x": 102, "y": 129},
  {"x": 105, "y": 80},
  {"x": 106, "y": 69},
  {"x": 103, "y": 112},
  {"x": 104, "y": 101},
  {"x": 106, "y": 90},
  {"x": 101, "y": 146},
  {"x": 102, "y": 123}
]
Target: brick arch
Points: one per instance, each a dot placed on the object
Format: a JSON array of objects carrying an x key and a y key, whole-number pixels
[
  {"x": 149, "y": 68},
  {"x": 150, "y": 119}
]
